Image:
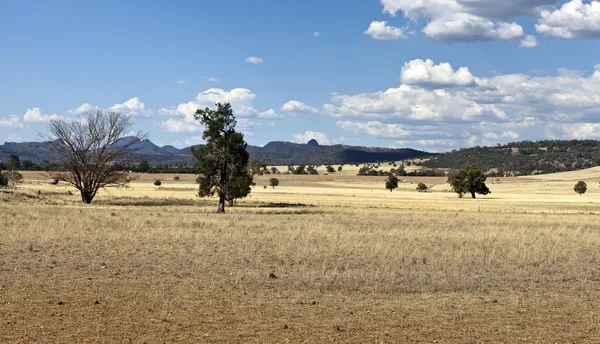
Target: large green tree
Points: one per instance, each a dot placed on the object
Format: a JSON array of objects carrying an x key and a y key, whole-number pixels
[
  {"x": 13, "y": 163},
  {"x": 223, "y": 161},
  {"x": 469, "y": 180},
  {"x": 391, "y": 183}
]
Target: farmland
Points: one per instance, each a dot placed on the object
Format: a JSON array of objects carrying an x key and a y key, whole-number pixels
[{"x": 317, "y": 259}]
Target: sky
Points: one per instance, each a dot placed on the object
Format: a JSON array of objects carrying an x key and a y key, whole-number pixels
[{"x": 434, "y": 75}]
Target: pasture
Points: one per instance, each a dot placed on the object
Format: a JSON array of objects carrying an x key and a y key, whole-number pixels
[{"x": 317, "y": 259}]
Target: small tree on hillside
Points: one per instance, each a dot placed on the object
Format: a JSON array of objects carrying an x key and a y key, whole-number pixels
[
  {"x": 339, "y": 169},
  {"x": 91, "y": 151},
  {"x": 330, "y": 169},
  {"x": 157, "y": 182},
  {"x": 223, "y": 161},
  {"x": 580, "y": 187},
  {"x": 469, "y": 180},
  {"x": 274, "y": 182},
  {"x": 422, "y": 187},
  {"x": 391, "y": 183},
  {"x": 312, "y": 170},
  {"x": 257, "y": 168},
  {"x": 274, "y": 170}
]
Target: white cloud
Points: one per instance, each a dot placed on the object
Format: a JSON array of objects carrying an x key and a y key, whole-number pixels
[
  {"x": 380, "y": 30},
  {"x": 194, "y": 140},
  {"x": 427, "y": 73},
  {"x": 241, "y": 100},
  {"x": 180, "y": 126},
  {"x": 464, "y": 27},
  {"x": 295, "y": 106},
  {"x": 83, "y": 109},
  {"x": 180, "y": 82},
  {"x": 573, "y": 20},
  {"x": 254, "y": 60},
  {"x": 467, "y": 20},
  {"x": 12, "y": 121},
  {"x": 310, "y": 135},
  {"x": 499, "y": 109},
  {"x": 213, "y": 79},
  {"x": 36, "y": 115},
  {"x": 316, "y": 34},
  {"x": 132, "y": 107},
  {"x": 529, "y": 42}
]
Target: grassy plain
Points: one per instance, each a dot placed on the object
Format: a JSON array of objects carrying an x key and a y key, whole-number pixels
[{"x": 318, "y": 259}]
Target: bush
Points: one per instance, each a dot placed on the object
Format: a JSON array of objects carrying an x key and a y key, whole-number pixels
[
  {"x": 273, "y": 182},
  {"x": 330, "y": 169},
  {"x": 422, "y": 187},
  {"x": 312, "y": 170},
  {"x": 3, "y": 180},
  {"x": 157, "y": 182},
  {"x": 580, "y": 187},
  {"x": 176, "y": 178}
]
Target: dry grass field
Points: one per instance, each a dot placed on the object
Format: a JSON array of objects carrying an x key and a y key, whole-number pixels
[{"x": 318, "y": 259}]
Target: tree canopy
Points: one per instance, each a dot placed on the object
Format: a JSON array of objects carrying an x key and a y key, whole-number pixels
[
  {"x": 92, "y": 150},
  {"x": 391, "y": 183},
  {"x": 469, "y": 180},
  {"x": 580, "y": 187},
  {"x": 223, "y": 161}
]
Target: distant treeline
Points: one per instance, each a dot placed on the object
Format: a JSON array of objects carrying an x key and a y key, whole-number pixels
[{"x": 523, "y": 158}]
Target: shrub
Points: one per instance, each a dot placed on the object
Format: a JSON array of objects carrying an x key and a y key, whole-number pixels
[
  {"x": 311, "y": 170},
  {"x": 273, "y": 182},
  {"x": 176, "y": 178},
  {"x": 580, "y": 187},
  {"x": 422, "y": 187},
  {"x": 330, "y": 169},
  {"x": 340, "y": 168},
  {"x": 3, "y": 180},
  {"x": 157, "y": 182}
]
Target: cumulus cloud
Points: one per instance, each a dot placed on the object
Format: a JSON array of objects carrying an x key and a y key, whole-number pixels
[
  {"x": 464, "y": 27},
  {"x": 241, "y": 100},
  {"x": 316, "y": 34},
  {"x": 427, "y": 73},
  {"x": 467, "y": 20},
  {"x": 11, "y": 122},
  {"x": 295, "y": 106},
  {"x": 529, "y": 42},
  {"x": 254, "y": 60},
  {"x": 573, "y": 20},
  {"x": 310, "y": 135},
  {"x": 132, "y": 107},
  {"x": 36, "y": 115},
  {"x": 380, "y": 30},
  {"x": 491, "y": 110},
  {"x": 83, "y": 109}
]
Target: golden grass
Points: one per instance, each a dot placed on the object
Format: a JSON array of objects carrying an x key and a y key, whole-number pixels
[{"x": 350, "y": 262}]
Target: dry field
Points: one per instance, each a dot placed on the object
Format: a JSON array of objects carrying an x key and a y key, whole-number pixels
[{"x": 315, "y": 260}]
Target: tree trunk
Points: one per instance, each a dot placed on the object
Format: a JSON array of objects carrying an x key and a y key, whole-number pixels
[
  {"x": 473, "y": 194},
  {"x": 221, "y": 204},
  {"x": 86, "y": 197}
]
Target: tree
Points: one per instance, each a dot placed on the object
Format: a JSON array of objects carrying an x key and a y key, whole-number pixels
[
  {"x": 469, "y": 180},
  {"x": 274, "y": 170},
  {"x": 223, "y": 161},
  {"x": 330, "y": 169},
  {"x": 157, "y": 182},
  {"x": 580, "y": 187},
  {"x": 391, "y": 183},
  {"x": 176, "y": 178},
  {"x": 340, "y": 168},
  {"x": 91, "y": 149},
  {"x": 274, "y": 182},
  {"x": 422, "y": 187},
  {"x": 257, "y": 168},
  {"x": 13, "y": 163},
  {"x": 312, "y": 170},
  {"x": 144, "y": 166}
]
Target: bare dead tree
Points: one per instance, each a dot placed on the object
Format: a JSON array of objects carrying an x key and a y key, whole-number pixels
[{"x": 91, "y": 150}]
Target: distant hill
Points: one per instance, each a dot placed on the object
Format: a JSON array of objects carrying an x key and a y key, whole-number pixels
[
  {"x": 524, "y": 158},
  {"x": 273, "y": 153}
]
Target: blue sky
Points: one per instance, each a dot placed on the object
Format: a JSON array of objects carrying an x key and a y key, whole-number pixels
[{"x": 432, "y": 75}]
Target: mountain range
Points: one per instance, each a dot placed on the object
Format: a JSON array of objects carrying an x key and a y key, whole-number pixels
[{"x": 273, "y": 153}]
